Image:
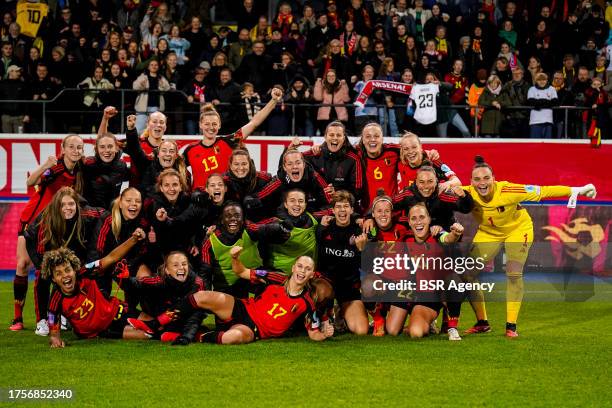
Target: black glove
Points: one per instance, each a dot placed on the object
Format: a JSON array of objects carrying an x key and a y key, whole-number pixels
[
  {"x": 200, "y": 198},
  {"x": 181, "y": 341},
  {"x": 252, "y": 203}
]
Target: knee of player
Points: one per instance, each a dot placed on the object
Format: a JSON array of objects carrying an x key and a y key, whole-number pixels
[
  {"x": 361, "y": 329},
  {"x": 393, "y": 330},
  {"x": 417, "y": 331},
  {"x": 324, "y": 292}
]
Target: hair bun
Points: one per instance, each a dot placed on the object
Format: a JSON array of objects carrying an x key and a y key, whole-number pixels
[
  {"x": 209, "y": 107},
  {"x": 380, "y": 192},
  {"x": 479, "y": 159}
]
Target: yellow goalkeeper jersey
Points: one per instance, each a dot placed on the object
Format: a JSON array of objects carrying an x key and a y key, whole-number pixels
[
  {"x": 503, "y": 214},
  {"x": 30, "y": 16}
]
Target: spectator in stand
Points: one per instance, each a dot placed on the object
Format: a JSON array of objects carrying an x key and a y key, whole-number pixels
[
  {"x": 128, "y": 14},
  {"x": 178, "y": 44},
  {"x": 437, "y": 19},
  {"x": 331, "y": 92},
  {"x": 404, "y": 108},
  {"x": 297, "y": 44},
  {"x": 239, "y": 49},
  {"x": 8, "y": 58},
  {"x": 14, "y": 115},
  {"x": 506, "y": 51},
  {"x": 42, "y": 90},
  {"x": 349, "y": 39},
  {"x": 331, "y": 58},
  {"x": 379, "y": 55},
  {"x": 149, "y": 99},
  {"x": 196, "y": 90},
  {"x": 262, "y": 32},
  {"x": 360, "y": 16},
  {"x": 150, "y": 31},
  {"x": 600, "y": 69},
  {"x": 597, "y": 116},
  {"x": 588, "y": 54},
  {"x": 508, "y": 35},
  {"x": 502, "y": 70},
  {"x": 308, "y": 21},
  {"x": 211, "y": 49},
  {"x": 369, "y": 112},
  {"x": 579, "y": 93},
  {"x": 420, "y": 16},
  {"x": 218, "y": 63},
  {"x": 568, "y": 38},
  {"x": 493, "y": 101},
  {"x": 569, "y": 71},
  {"x": 93, "y": 98},
  {"x": 542, "y": 97},
  {"x": 278, "y": 122},
  {"x": 565, "y": 98},
  {"x": 283, "y": 20},
  {"x": 361, "y": 56},
  {"x": 318, "y": 39},
  {"x": 276, "y": 46},
  {"x": 247, "y": 16},
  {"x": 31, "y": 63},
  {"x": 534, "y": 67},
  {"x": 516, "y": 90},
  {"x": 387, "y": 114},
  {"x": 256, "y": 68},
  {"x": 226, "y": 98},
  {"x": 250, "y": 104},
  {"x": 299, "y": 92},
  {"x": 197, "y": 40}
]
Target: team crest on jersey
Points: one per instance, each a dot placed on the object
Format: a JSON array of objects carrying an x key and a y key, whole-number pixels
[
  {"x": 216, "y": 149},
  {"x": 501, "y": 209},
  {"x": 387, "y": 161}
]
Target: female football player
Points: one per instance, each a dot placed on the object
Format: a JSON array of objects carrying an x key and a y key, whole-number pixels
[
  {"x": 53, "y": 174},
  {"x": 412, "y": 157},
  {"x": 271, "y": 314},
  {"x": 77, "y": 297},
  {"x": 242, "y": 177},
  {"x": 212, "y": 153},
  {"x": 62, "y": 224},
  {"x": 502, "y": 220}
]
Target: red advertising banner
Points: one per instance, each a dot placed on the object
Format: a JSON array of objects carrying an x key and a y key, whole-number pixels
[{"x": 572, "y": 163}]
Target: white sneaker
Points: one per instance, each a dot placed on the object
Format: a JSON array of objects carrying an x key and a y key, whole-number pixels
[
  {"x": 453, "y": 334},
  {"x": 42, "y": 328},
  {"x": 65, "y": 324}
]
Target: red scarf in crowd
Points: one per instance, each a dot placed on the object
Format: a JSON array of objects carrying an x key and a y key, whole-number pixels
[{"x": 371, "y": 86}]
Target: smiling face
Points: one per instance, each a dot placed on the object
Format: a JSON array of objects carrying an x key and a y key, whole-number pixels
[
  {"x": 106, "y": 148},
  {"x": 330, "y": 77},
  {"x": 171, "y": 187},
  {"x": 240, "y": 165},
  {"x": 382, "y": 214},
  {"x": 167, "y": 154},
  {"x": 72, "y": 149},
  {"x": 232, "y": 219},
  {"x": 342, "y": 212},
  {"x": 294, "y": 166},
  {"x": 156, "y": 125},
  {"x": 334, "y": 138},
  {"x": 411, "y": 151},
  {"x": 216, "y": 188},
  {"x": 295, "y": 203},
  {"x": 64, "y": 276},
  {"x": 419, "y": 221},
  {"x": 483, "y": 181},
  {"x": 302, "y": 270},
  {"x": 68, "y": 207},
  {"x": 426, "y": 182},
  {"x": 372, "y": 139},
  {"x": 130, "y": 204},
  {"x": 177, "y": 266},
  {"x": 210, "y": 125}
]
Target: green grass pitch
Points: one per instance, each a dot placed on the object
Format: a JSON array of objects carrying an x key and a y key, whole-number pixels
[{"x": 561, "y": 359}]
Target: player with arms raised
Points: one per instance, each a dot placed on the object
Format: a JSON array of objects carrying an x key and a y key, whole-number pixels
[{"x": 502, "y": 219}]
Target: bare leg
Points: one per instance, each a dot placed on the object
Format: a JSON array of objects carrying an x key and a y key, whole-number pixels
[
  {"x": 220, "y": 304},
  {"x": 395, "y": 320},
  {"x": 354, "y": 312},
  {"x": 238, "y": 334},
  {"x": 130, "y": 333},
  {"x": 420, "y": 319}
]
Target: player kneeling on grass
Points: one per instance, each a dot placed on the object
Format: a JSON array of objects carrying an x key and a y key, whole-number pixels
[
  {"x": 79, "y": 299},
  {"x": 271, "y": 314}
]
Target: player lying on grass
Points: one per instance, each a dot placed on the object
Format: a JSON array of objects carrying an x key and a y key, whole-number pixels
[
  {"x": 502, "y": 220},
  {"x": 271, "y": 314},
  {"x": 79, "y": 299}
]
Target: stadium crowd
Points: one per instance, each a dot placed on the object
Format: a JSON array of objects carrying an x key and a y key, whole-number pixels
[{"x": 492, "y": 54}]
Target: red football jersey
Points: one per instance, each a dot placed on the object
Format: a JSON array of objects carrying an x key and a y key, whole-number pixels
[
  {"x": 408, "y": 174},
  {"x": 396, "y": 234},
  {"x": 88, "y": 311},
  {"x": 381, "y": 173},
  {"x": 460, "y": 84},
  {"x": 51, "y": 181},
  {"x": 206, "y": 160},
  {"x": 274, "y": 311}
]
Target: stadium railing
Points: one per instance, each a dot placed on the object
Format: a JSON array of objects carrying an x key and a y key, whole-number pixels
[{"x": 70, "y": 101}]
